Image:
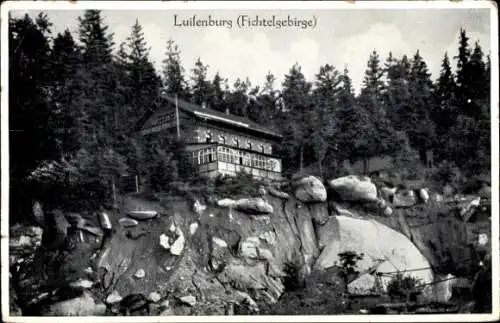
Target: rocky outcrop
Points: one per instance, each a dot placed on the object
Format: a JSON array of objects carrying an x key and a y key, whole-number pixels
[
  {"x": 354, "y": 188},
  {"x": 243, "y": 251}
]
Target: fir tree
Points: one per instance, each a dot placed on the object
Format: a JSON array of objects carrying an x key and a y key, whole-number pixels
[
  {"x": 297, "y": 105},
  {"x": 173, "y": 72},
  {"x": 216, "y": 98},
  {"x": 322, "y": 119},
  {"x": 200, "y": 86}
]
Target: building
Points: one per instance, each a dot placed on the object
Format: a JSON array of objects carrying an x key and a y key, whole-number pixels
[{"x": 216, "y": 142}]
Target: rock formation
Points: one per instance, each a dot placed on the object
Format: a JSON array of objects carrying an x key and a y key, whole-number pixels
[{"x": 197, "y": 257}]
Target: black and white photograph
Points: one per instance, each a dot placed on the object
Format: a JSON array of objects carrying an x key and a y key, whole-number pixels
[{"x": 250, "y": 161}]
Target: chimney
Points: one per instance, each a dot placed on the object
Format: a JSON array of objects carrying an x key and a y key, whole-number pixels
[{"x": 227, "y": 111}]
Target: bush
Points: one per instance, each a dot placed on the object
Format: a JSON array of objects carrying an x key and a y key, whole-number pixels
[
  {"x": 401, "y": 287},
  {"x": 447, "y": 173},
  {"x": 241, "y": 185}
]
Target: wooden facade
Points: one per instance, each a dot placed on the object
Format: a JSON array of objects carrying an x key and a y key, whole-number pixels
[{"x": 216, "y": 142}]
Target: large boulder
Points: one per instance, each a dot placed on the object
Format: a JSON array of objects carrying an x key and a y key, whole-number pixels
[
  {"x": 310, "y": 189},
  {"x": 354, "y": 188},
  {"x": 384, "y": 249}
]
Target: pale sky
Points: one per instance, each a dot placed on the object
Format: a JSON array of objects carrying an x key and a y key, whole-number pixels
[{"x": 341, "y": 37}]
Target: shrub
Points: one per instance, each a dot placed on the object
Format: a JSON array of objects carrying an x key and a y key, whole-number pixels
[
  {"x": 446, "y": 173},
  {"x": 349, "y": 263},
  {"x": 401, "y": 287}
]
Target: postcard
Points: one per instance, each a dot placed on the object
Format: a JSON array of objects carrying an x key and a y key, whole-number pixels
[{"x": 250, "y": 161}]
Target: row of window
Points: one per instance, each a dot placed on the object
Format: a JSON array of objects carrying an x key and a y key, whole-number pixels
[
  {"x": 234, "y": 142},
  {"x": 233, "y": 156}
]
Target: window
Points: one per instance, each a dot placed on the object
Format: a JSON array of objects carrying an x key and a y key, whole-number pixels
[
  {"x": 249, "y": 145},
  {"x": 208, "y": 137},
  {"x": 261, "y": 147},
  {"x": 222, "y": 139},
  {"x": 236, "y": 142}
]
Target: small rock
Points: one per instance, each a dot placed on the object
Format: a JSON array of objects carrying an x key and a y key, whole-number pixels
[
  {"x": 219, "y": 242},
  {"x": 154, "y": 297},
  {"x": 82, "y": 283},
  {"x": 388, "y": 192},
  {"x": 128, "y": 222},
  {"x": 249, "y": 248},
  {"x": 88, "y": 270},
  {"x": 388, "y": 211},
  {"x": 226, "y": 203},
  {"x": 113, "y": 298},
  {"x": 168, "y": 268},
  {"x": 482, "y": 239},
  {"x": 193, "y": 227},
  {"x": 189, "y": 300},
  {"x": 404, "y": 198},
  {"x": 140, "y": 273},
  {"x": 469, "y": 206},
  {"x": 198, "y": 207},
  {"x": 269, "y": 237},
  {"x": 178, "y": 246},
  {"x": 262, "y": 191},
  {"x": 363, "y": 311},
  {"x": 165, "y": 241},
  {"x": 167, "y": 312},
  {"x": 172, "y": 228},
  {"x": 424, "y": 195},
  {"x": 381, "y": 203}
]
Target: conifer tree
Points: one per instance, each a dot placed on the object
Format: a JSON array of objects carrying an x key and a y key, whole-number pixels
[
  {"x": 216, "y": 98},
  {"x": 377, "y": 136},
  {"x": 141, "y": 80},
  {"x": 420, "y": 128},
  {"x": 445, "y": 112},
  {"x": 65, "y": 64},
  {"x": 327, "y": 87},
  {"x": 201, "y": 88},
  {"x": 173, "y": 72},
  {"x": 237, "y": 100},
  {"x": 265, "y": 106},
  {"x": 297, "y": 103}
]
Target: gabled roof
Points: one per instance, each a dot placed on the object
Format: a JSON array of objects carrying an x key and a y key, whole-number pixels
[{"x": 212, "y": 115}]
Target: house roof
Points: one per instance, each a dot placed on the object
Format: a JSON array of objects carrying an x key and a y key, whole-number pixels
[{"x": 215, "y": 116}]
